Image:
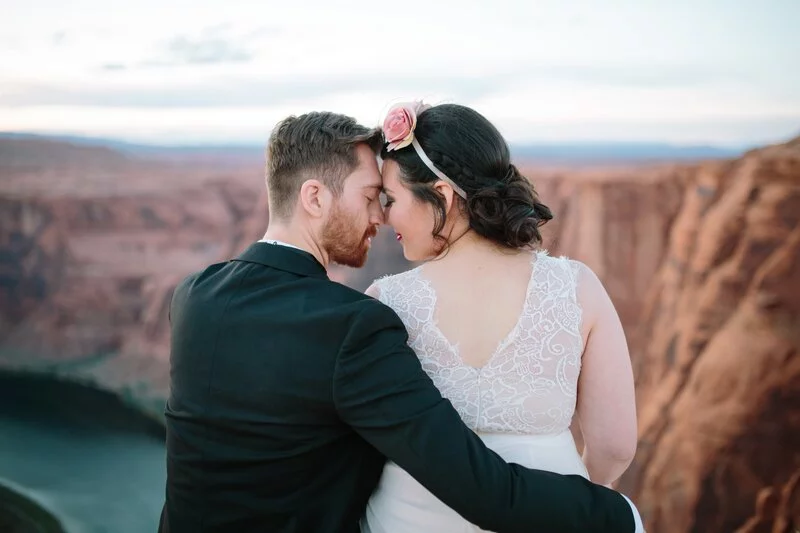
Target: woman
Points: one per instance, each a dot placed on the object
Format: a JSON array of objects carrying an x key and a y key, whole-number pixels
[{"x": 517, "y": 340}]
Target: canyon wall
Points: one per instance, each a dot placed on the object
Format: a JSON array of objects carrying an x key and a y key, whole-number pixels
[
  {"x": 718, "y": 379},
  {"x": 702, "y": 260}
]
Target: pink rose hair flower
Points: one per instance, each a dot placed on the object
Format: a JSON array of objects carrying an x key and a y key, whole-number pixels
[{"x": 399, "y": 124}]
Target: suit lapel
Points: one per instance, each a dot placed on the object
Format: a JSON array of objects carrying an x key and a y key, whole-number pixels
[{"x": 283, "y": 258}]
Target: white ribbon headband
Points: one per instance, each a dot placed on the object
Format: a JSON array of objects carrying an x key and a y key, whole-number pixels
[{"x": 439, "y": 174}]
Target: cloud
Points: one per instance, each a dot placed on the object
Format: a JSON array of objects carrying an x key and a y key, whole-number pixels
[
  {"x": 641, "y": 76},
  {"x": 214, "y": 45},
  {"x": 217, "y": 44},
  {"x": 58, "y": 38},
  {"x": 245, "y": 91},
  {"x": 263, "y": 31},
  {"x": 232, "y": 92},
  {"x": 199, "y": 51}
]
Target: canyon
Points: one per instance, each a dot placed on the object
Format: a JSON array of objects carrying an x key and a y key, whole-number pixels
[{"x": 701, "y": 259}]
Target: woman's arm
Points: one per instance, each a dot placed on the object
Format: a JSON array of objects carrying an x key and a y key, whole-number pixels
[
  {"x": 373, "y": 291},
  {"x": 606, "y": 401}
]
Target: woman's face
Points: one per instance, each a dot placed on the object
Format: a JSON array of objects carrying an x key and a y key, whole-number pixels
[{"x": 411, "y": 219}]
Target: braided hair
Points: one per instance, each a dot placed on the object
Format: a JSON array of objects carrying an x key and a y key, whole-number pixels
[{"x": 501, "y": 205}]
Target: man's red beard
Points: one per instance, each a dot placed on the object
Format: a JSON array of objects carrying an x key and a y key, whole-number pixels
[{"x": 343, "y": 240}]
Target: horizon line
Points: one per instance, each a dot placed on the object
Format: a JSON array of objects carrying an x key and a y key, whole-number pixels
[{"x": 215, "y": 143}]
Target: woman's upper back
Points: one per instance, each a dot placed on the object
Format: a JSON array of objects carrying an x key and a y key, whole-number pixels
[{"x": 506, "y": 351}]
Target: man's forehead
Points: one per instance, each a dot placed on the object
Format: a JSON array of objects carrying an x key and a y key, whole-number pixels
[
  {"x": 366, "y": 180},
  {"x": 376, "y": 179}
]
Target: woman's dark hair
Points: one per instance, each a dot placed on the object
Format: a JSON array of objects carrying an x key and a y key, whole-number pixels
[{"x": 502, "y": 205}]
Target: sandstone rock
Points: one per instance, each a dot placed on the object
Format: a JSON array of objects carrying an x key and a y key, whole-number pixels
[
  {"x": 717, "y": 381},
  {"x": 777, "y": 509},
  {"x": 92, "y": 245},
  {"x": 701, "y": 260}
]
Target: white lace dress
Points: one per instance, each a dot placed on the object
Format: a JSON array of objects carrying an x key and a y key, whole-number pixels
[{"x": 520, "y": 402}]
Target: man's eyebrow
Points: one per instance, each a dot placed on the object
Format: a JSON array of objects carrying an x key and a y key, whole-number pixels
[{"x": 373, "y": 186}]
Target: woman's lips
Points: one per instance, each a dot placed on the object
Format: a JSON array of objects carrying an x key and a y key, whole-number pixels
[{"x": 399, "y": 237}]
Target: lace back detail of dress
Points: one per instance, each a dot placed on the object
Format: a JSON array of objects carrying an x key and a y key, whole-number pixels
[{"x": 529, "y": 386}]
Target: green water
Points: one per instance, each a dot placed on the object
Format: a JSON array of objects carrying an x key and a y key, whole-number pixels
[{"x": 94, "y": 464}]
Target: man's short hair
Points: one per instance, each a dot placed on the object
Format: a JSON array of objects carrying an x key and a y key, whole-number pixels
[{"x": 318, "y": 145}]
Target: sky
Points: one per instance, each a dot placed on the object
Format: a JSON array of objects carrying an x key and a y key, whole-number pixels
[{"x": 721, "y": 72}]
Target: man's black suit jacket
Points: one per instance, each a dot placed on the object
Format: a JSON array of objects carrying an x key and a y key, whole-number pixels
[{"x": 288, "y": 393}]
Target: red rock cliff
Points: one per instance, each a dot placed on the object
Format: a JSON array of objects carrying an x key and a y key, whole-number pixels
[
  {"x": 92, "y": 244},
  {"x": 702, "y": 262},
  {"x": 718, "y": 378}
]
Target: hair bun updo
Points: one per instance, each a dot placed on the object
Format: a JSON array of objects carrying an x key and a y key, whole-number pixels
[{"x": 508, "y": 212}]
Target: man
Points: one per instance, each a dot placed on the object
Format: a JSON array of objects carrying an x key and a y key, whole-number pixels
[{"x": 289, "y": 391}]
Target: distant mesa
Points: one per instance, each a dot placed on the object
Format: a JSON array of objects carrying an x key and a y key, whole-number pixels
[{"x": 552, "y": 152}]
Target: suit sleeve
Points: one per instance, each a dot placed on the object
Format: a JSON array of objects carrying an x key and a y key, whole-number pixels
[{"x": 381, "y": 391}]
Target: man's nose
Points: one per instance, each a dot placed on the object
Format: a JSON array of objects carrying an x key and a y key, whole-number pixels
[{"x": 377, "y": 217}]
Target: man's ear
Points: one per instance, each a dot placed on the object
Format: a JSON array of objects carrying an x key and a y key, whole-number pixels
[{"x": 314, "y": 198}]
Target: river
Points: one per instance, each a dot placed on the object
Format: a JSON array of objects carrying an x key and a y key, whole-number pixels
[{"x": 93, "y": 463}]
